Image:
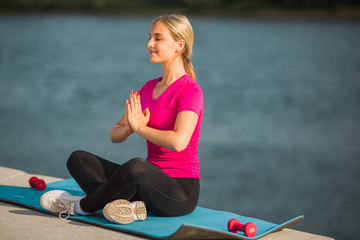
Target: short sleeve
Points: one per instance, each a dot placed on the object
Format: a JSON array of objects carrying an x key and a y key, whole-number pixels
[{"x": 191, "y": 99}]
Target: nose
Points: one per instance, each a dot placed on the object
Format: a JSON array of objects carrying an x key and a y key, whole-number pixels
[{"x": 150, "y": 43}]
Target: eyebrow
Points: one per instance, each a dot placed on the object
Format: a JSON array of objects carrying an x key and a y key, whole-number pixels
[{"x": 156, "y": 34}]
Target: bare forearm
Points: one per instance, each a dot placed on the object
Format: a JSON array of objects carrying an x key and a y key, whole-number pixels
[
  {"x": 119, "y": 133},
  {"x": 168, "y": 139}
]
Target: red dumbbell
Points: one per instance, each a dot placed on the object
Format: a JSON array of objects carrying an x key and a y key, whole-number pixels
[
  {"x": 249, "y": 229},
  {"x": 32, "y": 181},
  {"x": 39, "y": 184}
]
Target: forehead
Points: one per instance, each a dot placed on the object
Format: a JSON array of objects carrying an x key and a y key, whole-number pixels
[{"x": 159, "y": 28}]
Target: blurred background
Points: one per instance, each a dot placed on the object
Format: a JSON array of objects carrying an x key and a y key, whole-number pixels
[
  {"x": 251, "y": 8},
  {"x": 281, "y": 82}
]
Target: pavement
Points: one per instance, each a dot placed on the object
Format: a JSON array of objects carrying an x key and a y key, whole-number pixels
[{"x": 21, "y": 223}]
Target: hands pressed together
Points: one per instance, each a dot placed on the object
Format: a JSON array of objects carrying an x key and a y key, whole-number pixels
[{"x": 134, "y": 116}]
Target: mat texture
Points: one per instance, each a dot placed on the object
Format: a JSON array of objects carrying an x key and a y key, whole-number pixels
[{"x": 203, "y": 223}]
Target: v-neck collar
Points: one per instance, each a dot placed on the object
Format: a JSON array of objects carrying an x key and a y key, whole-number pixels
[{"x": 152, "y": 94}]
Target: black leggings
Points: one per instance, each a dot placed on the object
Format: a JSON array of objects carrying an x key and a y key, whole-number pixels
[{"x": 104, "y": 181}]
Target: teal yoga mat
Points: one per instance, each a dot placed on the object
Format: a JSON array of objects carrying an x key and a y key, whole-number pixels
[{"x": 203, "y": 223}]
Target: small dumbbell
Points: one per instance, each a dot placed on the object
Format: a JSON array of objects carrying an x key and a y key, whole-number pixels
[
  {"x": 249, "y": 228},
  {"x": 39, "y": 184}
]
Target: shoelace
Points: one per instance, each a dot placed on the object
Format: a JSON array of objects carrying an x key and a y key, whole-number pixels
[{"x": 63, "y": 207}]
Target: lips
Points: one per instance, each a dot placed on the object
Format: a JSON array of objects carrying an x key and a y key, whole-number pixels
[{"x": 152, "y": 52}]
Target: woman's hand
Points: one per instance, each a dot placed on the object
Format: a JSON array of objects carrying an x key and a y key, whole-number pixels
[
  {"x": 122, "y": 129},
  {"x": 135, "y": 117},
  {"x": 126, "y": 122}
]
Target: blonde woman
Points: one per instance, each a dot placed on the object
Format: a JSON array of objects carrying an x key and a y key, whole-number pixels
[{"x": 168, "y": 113}]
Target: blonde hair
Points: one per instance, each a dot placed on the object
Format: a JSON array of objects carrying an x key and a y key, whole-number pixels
[{"x": 180, "y": 29}]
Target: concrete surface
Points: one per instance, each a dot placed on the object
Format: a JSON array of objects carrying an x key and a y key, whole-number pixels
[{"x": 21, "y": 223}]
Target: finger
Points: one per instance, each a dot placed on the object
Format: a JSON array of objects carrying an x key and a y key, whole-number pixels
[
  {"x": 137, "y": 106},
  {"x": 128, "y": 110},
  {"x": 132, "y": 103},
  {"x": 129, "y": 100},
  {"x": 135, "y": 98},
  {"x": 138, "y": 98},
  {"x": 127, "y": 105},
  {"x": 133, "y": 93},
  {"x": 147, "y": 112},
  {"x": 147, "y": 115}
]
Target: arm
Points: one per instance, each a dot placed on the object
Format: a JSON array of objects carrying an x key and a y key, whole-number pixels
[
  {"x": 176, "y": 140},
  {"x": 120, "y": 132}
]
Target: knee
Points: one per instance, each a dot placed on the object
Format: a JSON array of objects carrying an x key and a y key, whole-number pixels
[
  {"x": 75, "y": 157},
  {"x": 135, "y": 167},
  {"x": 138, "y": 164}
]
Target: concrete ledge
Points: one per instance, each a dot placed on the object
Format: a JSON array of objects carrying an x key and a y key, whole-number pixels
[
  {"x": 13, "y": 177},
  {"x": 22, "y": 223}
]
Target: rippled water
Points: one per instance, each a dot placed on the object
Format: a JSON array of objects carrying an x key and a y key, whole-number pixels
[{"x": 281, "y": 131}]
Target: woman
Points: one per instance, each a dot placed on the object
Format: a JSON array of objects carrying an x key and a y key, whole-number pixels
[{"x": 168, "y": 113}]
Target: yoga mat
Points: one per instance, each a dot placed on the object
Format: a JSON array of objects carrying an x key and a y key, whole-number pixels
[{"x": 203, "y": 223}]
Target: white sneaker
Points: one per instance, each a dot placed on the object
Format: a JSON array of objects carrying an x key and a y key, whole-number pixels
[
  {"x": 123, "y": 212},
  {"x": 60, "y": 202}
]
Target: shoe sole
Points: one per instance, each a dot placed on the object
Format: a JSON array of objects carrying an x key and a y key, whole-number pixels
[
  {"x": 140, "y": 210},
  {"x": 123, "y": 212}
]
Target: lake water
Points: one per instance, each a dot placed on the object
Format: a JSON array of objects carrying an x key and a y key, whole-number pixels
[{"x": 280, "y": 136}]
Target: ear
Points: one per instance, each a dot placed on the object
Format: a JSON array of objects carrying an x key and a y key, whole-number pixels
[{"x": 180, "y": 45}]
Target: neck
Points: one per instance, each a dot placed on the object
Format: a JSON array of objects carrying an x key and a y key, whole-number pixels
[{"x": 172, "y": 70}]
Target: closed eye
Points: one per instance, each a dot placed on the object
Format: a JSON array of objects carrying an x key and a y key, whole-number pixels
[{"x": 158, "y": 36}]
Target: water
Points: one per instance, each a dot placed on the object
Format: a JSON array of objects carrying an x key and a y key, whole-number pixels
[{"x": 281, "y": 131}]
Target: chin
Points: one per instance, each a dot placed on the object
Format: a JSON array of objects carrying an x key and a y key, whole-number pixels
[{"x": 154, "y": 60}]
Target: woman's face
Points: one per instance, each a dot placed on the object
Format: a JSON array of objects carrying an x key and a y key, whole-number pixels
[{"x": 162, "y": 47}]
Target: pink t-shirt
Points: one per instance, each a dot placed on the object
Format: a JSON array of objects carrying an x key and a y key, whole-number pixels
[{"x": 182, "y": 95}]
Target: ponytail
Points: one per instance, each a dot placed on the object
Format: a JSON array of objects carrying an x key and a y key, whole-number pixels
[{"x": 189, "y": 69}]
